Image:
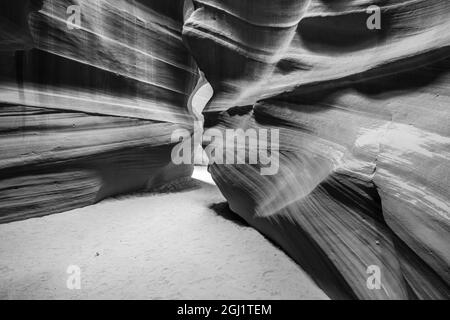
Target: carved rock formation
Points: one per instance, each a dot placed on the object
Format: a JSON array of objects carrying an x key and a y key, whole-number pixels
[
  {"x": 364, "y": 144},
  {"x": 87, "y": 111},
  {"x": 363, "y": 116}
]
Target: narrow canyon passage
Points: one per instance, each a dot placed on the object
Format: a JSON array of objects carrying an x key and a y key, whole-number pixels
[
  {"x": 326, "y": 126},
  {"x": 183, "y": 244}
]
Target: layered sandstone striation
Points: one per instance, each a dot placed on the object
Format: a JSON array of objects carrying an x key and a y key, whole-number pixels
[
  {"x": 87, "y": 111},
  {"x": 364, "y": 144},
  {"x": 363, "y": 118}
]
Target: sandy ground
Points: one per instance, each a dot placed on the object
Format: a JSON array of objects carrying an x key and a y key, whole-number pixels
[{"x": 180, "y": 245}]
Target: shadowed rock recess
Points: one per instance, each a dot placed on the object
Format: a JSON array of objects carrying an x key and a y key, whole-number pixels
[{"x": 363, "y": 115}]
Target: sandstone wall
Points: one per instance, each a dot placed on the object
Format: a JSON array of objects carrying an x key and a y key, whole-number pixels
[
  {"x": 364, "y": 124},
  {"x": 88, "y": 112}
]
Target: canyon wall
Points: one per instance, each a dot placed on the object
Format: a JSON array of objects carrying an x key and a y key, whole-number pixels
[
  {"x": 364, "y": 134},
  {"x": 87, "y": 111},
  {"x": 88, "y": 103}
]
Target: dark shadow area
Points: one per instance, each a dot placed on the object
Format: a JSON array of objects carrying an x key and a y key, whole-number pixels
[
  {"x": 341, "y": 33},
  {"x": 391, "y": 80},
  {"x": 40, "y": 69},
  {"x": 181, "y": 185},
  {"x": 223, "y": 209},
  {"x": 15, "y": 33},
  {"x": 170, "y": 8}
]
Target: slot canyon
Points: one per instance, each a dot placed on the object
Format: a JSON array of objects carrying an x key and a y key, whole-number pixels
[{"x": 89, "y": 105}]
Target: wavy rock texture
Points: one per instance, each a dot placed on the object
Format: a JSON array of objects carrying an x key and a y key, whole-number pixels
[
  {"x": 363, "y": 118},
  {"x": 364, "y": 124},
  {"x": 89, "y": 112}
]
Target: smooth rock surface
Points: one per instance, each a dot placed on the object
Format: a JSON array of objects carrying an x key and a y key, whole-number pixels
[
  {"x": 364, "y": 124},
  {"x": 363, "y": 116},
  {"x": 87, "y": 111}
]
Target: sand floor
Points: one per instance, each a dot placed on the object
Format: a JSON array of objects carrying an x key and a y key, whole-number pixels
[{"x": 179, "y": 245}]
